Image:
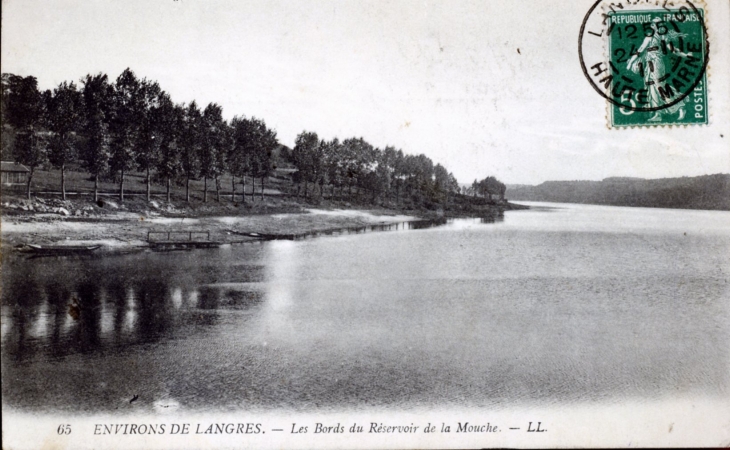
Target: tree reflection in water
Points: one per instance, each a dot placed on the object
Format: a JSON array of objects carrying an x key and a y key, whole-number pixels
[{"x": 56, "y": 307}]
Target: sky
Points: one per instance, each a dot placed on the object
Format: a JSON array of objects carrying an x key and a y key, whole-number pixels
[{"x": 482, "y": 87}]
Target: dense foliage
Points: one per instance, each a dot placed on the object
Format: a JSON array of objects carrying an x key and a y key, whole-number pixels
[
  {"x": 487, "y": 188},
  {"x": 111, "y": 128}
]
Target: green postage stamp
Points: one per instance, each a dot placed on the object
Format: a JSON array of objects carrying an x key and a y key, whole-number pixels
[{"x": 653, "y": 67}]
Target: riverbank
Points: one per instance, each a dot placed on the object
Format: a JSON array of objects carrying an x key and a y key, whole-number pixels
[
  {"x": 122, "y": 231},
  {"x": 121, "y": 227}
]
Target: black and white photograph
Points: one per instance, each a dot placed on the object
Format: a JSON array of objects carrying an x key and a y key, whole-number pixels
[{"x": 365, "y": 224}]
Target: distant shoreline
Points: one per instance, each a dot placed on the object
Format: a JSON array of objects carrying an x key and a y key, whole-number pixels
[{"x": 706, "y": 192}]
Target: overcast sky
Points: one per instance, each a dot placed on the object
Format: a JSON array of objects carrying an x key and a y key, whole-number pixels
[{"x": 444, "y": 78}]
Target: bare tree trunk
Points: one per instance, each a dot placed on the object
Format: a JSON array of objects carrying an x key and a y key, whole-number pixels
[
  {"x": 121, "y": 187},
  {"x": 233, "y": 189},
  {"x": 30, "y": 178},
  {"x": 262, "y": 187},
  {"x": 187, "y": 189},
  {"x": 96, "y": 187},
  {"x": 32, "y": 168},
  {"x": 205, "y": 189},
  {"x": 149, "y": 184},
  {"x": 168, "y": 189},
  {"x": 217, "y": 189},
  {"x": 63, "y": 181},
  {"x": 243, "y": 188},
  {"x": 253, "y": 188}
]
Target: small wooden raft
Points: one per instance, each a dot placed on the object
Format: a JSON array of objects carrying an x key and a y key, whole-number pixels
[{"x": 169, "y": 243}]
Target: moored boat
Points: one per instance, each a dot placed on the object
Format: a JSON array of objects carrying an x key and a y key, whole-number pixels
[{"x": 59, "y": 250}]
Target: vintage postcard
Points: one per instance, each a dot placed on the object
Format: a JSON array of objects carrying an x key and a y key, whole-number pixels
[{"x": 365, "y": 224}]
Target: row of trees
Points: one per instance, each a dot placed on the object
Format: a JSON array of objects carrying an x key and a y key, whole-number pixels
[
  {"x": 381, "y": 174},
  {"x": 131, "y": 124},
  {"x": 113, "y": 128}
]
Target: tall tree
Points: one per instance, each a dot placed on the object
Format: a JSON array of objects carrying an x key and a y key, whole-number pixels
[
  {"x": 8, "y": 132},
  {"x": 454, "y": 184},
  {"x": 168, "y": 124},
  {"x": 262, "y": 161},
  {"x": 303, "y": 154},
  {"x": 387, "y": 169},
  {"x": 227, "y": 142},
  {"x": 441, "y": 177},
  {"x": 362, "y": 160},
  {"x": 320, "y": 166},
  {"x": 96, "y": 153},
  {"x": 358, "y": 158},
  {"x": 25, "y": 111},
  {"x": 64, "y": 117},
  {"x": 211, "y": 159},
  {"x": 424, "y": 172},
  {"x": 128, "y": 112},
  {"x": 475, "y": 188},
  {"x": 370, "y": 181},
  {"x": 319, "y": 172},
  {"x": 241, "y": 152},
  {"x": 190, "y": 142},
  {"x": 399, "y": 173},
  {"x": 148, "y": 142},
  {"x": 491, "y": 186},
  {"x": 441, "y": 183},
  {"x": 333, "y": 166}
]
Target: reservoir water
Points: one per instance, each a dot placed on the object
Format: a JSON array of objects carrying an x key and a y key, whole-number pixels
[{"x": 556, "y": 305}]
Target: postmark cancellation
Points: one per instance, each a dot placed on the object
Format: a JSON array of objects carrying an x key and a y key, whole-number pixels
[{"x": 649, "y": 61}]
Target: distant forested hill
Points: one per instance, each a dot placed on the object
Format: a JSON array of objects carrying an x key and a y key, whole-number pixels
[{"x": 703, "y": 192}]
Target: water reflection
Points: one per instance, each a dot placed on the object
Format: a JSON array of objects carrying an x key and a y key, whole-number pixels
[
  {"x": 56, "y": 307},
  {"x": 466, "y": 314},
  {"x": 119, "y": 303},
  {"x": 84, "y": 309}
]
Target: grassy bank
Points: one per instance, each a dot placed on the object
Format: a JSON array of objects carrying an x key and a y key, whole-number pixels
[{"x": 47, "y": 219}]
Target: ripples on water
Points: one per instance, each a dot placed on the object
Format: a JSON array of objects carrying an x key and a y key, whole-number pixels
[{"x": 575, "y": 304}]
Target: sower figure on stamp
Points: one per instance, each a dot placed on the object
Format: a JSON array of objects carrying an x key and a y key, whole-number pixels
[{"x": 650, "y": 61}]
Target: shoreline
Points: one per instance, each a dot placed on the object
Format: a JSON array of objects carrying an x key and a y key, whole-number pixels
[
  {"x": 120, "y": 228},
  {"x": 124, "y": 231}
]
